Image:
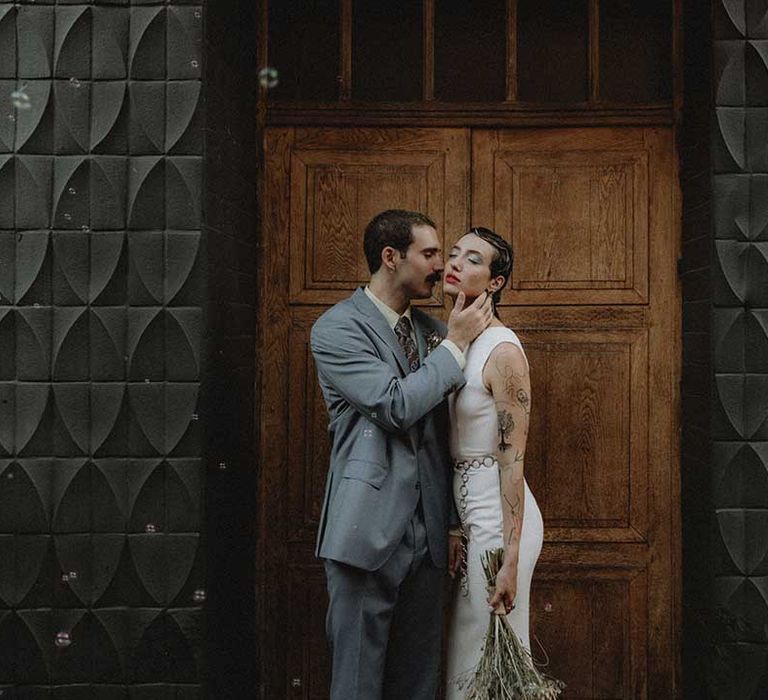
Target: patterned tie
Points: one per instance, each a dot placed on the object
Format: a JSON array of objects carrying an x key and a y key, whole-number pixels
[{"x": 403, "y": 333}]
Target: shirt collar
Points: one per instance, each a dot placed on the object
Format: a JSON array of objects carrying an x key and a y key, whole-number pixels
[{"x": 390, "y": 314}]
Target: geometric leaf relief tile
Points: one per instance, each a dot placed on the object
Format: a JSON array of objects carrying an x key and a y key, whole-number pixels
[
  {"x": 88, "y": 563},
  {"x": 184, "y": 42},
  {"x": 756, "y": 73},
  {"x": 147, "y": 118},
  {"x": 35, "y": 126},
  {"x": 145, "y": 268},
  {"x": 8, "y": 67},
  {"x": 183, "y": 341},
  {"x": 758, "y": 209},
  {"x": 729, "y": 19},
  {"x": 745, "y": 536},
  {"x": 756, "y": 135},
  {"x": 729, "y": 339},
  {"x": 108, "y": 269},
  {"x": 78, "y": 646},
  {"x": 169, "y": 649},
  {"x": 70, "y": 268},
  {"x": 23, "y": 559},
  {"x": 745, "y": 603},
  {"x": 33, "y": 204},
  {"x": 731, "y": 206},
  {"x": 728, "y": 140},
  {"x": 740, "y": 206},
  {"x": 110, "y": 110},
  {"x": 183, "y": 126},
  {"x": 146, "y": 193},
  {"x": 72, "y": 126},
  {"x": 164, "y": 563},
  {"x": 182, "y": 265},
  {"x": 740, "y": 475},
  {"x": 71, "y": 192},
  {"x": 105, "y": 419},
  {"x": 741, "y": 340},
  {"x": 740, "y": 407},
  {"x": 72, "y": 46},
  {"x": 33, "y": 268},
  {"x": 103, "y": 646},
  {"x": 729, "y": 73},
  {"x": 757, "y": 19},
  {"x": 147, "y": 50},
  {"x": 35, "y": 31},
  {"x": 110, "y": 53},
  {"x": 756, "y": 351},
  {"x": 742, "y": 273}
]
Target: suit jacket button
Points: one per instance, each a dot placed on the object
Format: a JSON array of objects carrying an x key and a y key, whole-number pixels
[{"x": 418, "y": 485}]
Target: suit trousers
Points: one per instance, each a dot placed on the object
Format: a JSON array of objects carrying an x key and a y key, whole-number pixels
[{"x": 385, "y": 627}]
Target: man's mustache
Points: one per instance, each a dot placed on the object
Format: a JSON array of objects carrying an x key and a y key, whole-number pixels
[{"x": 435, "y": 277}]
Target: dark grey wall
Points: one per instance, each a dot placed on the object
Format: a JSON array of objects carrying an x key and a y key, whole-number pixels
[
  {"x": 231, "y": 158},
  {"x": 698, "y": 632},
  {"x": 102, "y": 572}
]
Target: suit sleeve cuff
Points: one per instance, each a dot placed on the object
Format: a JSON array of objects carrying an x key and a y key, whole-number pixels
[{"x": 458, "y": 355}]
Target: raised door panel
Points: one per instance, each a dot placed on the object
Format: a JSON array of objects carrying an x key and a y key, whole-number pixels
[
  {"x": 589, "y": 628},
  {"x": 574, "y": 210},
  {"x": 587, "y": 459},
  {"x": 308, "y": 447},
  {"x": 337, "y": 185},
  {"x": 302, "y": 636}
]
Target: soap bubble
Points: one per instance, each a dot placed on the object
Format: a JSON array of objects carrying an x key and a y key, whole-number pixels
[
  {"x": 268, "y": 77},
  {"x": 63, "y": 640},
  {"x": 20, "y": 99}
]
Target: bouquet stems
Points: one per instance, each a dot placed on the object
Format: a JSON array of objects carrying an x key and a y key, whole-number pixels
[{"x": 506, "y": 670}]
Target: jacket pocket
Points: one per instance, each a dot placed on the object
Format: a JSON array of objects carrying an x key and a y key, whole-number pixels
[{"x": 372, "y": 473}]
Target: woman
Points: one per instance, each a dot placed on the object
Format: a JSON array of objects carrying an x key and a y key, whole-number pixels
[{"x": 489, "y": 428}]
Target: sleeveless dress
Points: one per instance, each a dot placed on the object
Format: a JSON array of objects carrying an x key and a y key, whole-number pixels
[{"x": 477, "y": 491}]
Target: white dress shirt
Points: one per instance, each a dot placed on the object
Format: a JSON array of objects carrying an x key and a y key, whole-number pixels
[{"x": 393, "y": 317}]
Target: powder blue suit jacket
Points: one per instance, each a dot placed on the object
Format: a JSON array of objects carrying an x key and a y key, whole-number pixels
[{"x": 389, "y": 434}]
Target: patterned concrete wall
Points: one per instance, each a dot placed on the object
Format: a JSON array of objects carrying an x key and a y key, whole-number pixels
[
  {"x": 101, "y": 328},
  {"x": 740, "y": 339}
]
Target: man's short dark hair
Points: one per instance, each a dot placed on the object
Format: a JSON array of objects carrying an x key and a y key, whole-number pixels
[{"x": 393, "y": 228}]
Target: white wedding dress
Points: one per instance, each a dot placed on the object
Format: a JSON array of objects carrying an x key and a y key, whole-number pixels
[{"x": 476, "y": 489}]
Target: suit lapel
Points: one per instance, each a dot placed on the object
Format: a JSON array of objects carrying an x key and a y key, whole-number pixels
[{"x": 379, "y": 325}]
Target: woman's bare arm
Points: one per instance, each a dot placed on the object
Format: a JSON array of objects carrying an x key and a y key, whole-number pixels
[{"x": 507, "y": 377}]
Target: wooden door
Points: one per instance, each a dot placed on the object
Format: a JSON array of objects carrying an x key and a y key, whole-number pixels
[
  {"x": 321, "y": 188},
  {"x": 590, "y": 214},
  {"x": 594, "y": 297}
]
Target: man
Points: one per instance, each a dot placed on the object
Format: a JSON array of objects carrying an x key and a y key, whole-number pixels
[{"x": 388, "y": 504}]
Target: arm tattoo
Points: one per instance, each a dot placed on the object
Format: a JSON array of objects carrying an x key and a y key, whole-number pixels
[
  {"x": 506, "y": 426},
  {"x": 514, "y": 511}
]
